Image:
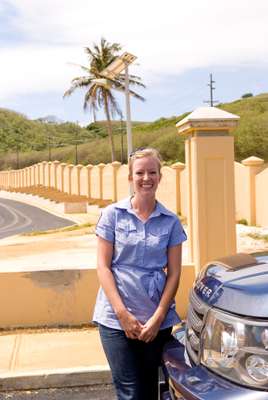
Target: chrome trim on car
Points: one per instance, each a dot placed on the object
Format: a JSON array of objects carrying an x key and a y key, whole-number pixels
[{"x": 195, "y": 322}]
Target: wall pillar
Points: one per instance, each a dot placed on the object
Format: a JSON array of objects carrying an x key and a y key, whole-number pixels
[
  {"x": 210, "y": 167},
  {"x": 62, "y": 166},
  {"x": 38, "y": 174},
  {"x": 89, "y": 168},
  {"x": 78, "y": 171},
  {"x": 254, "y": 165},
  {"x": 115, "y": 165},
  {"x": 9, "y": 179},
  {"x": 43, "y": 173},
  {"x": 49, "y": 173},
  {"x": 56, "y": 165},
  {"x": 31, "y": 171},
  {"x": 178, "y": 167},
  {"x": 101, "y": 166},
  {"x": 70, "y": 169}
]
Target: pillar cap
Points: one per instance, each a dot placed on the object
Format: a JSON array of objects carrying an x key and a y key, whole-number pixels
[
  {"x": 207, "y": 118},
  {"x": 101, "y": 165},
  {"x": 178, "y": 165},
  {"x": 116, "y": 164},
  {"x": 253, "y": 161}
]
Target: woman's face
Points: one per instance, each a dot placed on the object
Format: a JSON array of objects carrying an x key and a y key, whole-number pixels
[{"x": 145, "y": 176}]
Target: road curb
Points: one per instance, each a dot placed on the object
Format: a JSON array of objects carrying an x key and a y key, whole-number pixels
[{"x": 45, "y": 379}]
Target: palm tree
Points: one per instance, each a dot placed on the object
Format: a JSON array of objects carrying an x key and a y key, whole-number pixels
[{"x": 98, "y": 95}]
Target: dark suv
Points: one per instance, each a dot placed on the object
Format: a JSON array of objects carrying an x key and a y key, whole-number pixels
[{"x": 222, "y": 353}]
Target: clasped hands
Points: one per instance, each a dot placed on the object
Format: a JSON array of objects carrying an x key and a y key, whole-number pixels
[{"x": 135, "y": 330}]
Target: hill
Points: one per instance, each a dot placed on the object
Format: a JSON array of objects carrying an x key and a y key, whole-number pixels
[{"x": 25, "y": 142}]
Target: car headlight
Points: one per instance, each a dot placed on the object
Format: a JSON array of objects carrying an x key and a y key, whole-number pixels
[{"x": 236, "y": 348}]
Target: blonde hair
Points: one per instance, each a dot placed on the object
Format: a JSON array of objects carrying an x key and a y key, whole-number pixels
[{"x": 144, "y": 152}]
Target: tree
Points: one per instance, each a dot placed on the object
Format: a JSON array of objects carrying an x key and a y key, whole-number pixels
[
  {"x": 98, "y": 95},
  {"x": 246, "y": 95}
]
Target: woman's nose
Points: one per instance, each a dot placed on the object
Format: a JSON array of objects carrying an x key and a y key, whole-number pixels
[{"x": 146, "y": 175}]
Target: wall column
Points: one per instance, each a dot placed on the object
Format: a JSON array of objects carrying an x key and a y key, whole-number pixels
[
  {"x": 62, "y": 166},
  {"x": 89, "y": 168},
  {"x": 56, "y": 165},
  {"x": 254, "y": 165},
  {"x": 70, "y": 168},
  {"x": 49, "y": 174},
  {"x": 78, "y": 177},
  {"x": 38, "y": 174},
  {"x": 43, "y": 174},
  {"x": 101, "y": 166},
  {"x": 210, "y": 166},
  {"x": 115, "y": 165},
  {"x": 178, "y": 167}
]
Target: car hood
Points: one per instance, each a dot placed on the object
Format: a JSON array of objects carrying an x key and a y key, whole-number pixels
[{"x": 242, "y": 291}]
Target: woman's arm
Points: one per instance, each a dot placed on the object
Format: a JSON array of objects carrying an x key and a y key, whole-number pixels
[
  {"x": 152, "y": 326},
  {"x": 129, "y": 323}
]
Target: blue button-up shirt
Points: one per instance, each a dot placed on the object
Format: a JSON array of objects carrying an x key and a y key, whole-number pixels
[{"x": 139, "y": 257}]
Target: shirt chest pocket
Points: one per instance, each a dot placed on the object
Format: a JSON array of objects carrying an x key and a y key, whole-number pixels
[
  {"x": 158, "y": 238},
  {"x": 126, "y": 234}
]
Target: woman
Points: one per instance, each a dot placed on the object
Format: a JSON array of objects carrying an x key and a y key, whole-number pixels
[{"x": 137, "y": 239}]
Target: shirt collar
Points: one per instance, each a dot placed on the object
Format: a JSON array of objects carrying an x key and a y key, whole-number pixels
[{"x": 125, "y": 204}]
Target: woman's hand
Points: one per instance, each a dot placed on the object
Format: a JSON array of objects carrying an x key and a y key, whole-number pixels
[
  {"x": 150, "y": 329},
  {"x": 130, "y": 324}
]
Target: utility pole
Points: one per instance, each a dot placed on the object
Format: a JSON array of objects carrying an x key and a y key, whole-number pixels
[
  {"x": 17, "y": 157},
  {"x": 211, "y": 102},
  {"x": 122, "y": 140},
  {"x": 49, "y": 147},
  {"x": 76, "y": 142}
]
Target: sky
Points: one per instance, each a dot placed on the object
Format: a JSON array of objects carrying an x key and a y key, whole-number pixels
[{"x": 177, "y": 44}]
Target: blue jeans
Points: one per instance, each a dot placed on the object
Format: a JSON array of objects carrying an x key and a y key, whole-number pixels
[{"x": 134, "y": 364}]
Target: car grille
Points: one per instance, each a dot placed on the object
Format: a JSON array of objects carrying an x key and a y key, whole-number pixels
[{"x": 195, "y": 321}]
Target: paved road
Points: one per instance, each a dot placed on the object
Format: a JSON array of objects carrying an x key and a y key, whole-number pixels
[
  {"x": 16, "y": 217},
  {"x": 100, "y": 392}
]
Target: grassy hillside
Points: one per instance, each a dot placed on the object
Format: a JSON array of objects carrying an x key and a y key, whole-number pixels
[{"x": 29, "y": 140}]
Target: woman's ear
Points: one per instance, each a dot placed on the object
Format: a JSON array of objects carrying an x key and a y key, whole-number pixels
[{"x": 130, "y": 179}]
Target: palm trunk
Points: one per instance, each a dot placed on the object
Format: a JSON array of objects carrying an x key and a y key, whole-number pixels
[{"x": 109, "y": 128}]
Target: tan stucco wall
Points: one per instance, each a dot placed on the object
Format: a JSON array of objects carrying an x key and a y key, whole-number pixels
[
  {"x": 122, "y": 182},
  {"x": 60, "y": 297},
  {"x": 66, "y": 185},
  {"x": 95, "y": 182},
  {"x": 242, "y": 192},
  {"x": 246, "y": 179},
  {"x": 74, "y": 180},
  {"x": 59, "y": 178},
  {"x": 167, "y": 189},
  {"x": 186, "y": 283},
  {"x": 84, "y": 182},
  {"x": 47, "y": 297},
  {"x": 107, "y": 182},
  {"x": 262, "y": 198},
  {"x": 183, "y": 193}
]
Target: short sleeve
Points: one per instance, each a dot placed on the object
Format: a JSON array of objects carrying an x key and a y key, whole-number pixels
[
  {"x": 106, "y": 224},
  {"x": 177, "y": 234}
]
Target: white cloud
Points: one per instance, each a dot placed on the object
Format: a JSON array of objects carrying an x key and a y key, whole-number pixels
[
  {"x": 36, "y": 69},
  {"x": 168, "y": 38}
]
